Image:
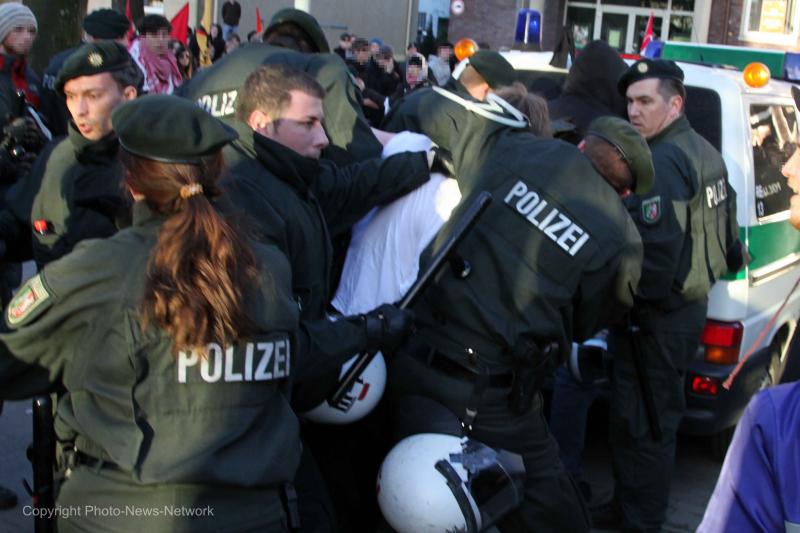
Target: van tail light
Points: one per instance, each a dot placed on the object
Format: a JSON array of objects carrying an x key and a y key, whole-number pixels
[
  {"x": 705, "y": 385},
  {"x": 722, "y": 342}
]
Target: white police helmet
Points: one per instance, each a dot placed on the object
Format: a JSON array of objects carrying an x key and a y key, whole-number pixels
[
  {"x": 359, "y": 401},
  {"x": 433, "y": 482},
  {"x": 589, "y": 362}
]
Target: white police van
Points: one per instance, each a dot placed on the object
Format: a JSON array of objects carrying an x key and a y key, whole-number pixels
[{"x": 756, "y": 130}]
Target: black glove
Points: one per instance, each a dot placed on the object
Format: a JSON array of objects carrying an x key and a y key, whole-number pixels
[
  {"x": 387, "y": 326},
  {"x": 442, "y": 162}
]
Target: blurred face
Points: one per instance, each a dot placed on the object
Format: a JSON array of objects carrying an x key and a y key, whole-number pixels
[
  {"x": 362, "y": 56},
  {"x": 791, "y": 169},
  {"x": 158, "y": 42},
  {"x": 374, "y": 48},
  {"x": 413, "y": 73},
  {"x": 214, "y": 31},
  {"x": 648, "y": 111},
  {"x": 445, "y": 52},
  {"x": 91, "y": 99},
  {"x": 231, "y": 45},
  {"x": 184, "y": 58},
  {"x": 299, "y": 127},
  {"x": 20, "y": 40}
]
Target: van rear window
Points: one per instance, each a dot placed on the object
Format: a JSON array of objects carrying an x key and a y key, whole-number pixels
[
  {"x": 704, "y": 111},
  {"x": 774, "y": 138}
]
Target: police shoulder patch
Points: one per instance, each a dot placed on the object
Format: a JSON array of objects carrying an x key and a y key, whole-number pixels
[
  {"x": 28, "y": 298},
  {"x": 651, "y": 210}
]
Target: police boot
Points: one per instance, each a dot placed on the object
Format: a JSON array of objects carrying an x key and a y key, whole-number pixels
[
  {"x": 607, "y": 515},
  {"x": 7, "y": 498}
]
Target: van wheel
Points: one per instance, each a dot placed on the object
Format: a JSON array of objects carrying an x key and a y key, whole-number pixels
[{"x": 718, "y": 443}]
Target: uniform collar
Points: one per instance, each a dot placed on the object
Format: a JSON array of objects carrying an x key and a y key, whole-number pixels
[
  {"x": 144, "y": 216},
  {"x": 679, "y": 125},
  {"x": 93, "y": 152}
]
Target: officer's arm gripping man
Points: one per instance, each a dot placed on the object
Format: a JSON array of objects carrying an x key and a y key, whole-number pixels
[{"x": 347, "y": 193}]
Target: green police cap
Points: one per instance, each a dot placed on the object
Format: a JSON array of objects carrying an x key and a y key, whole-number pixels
[
  {"x": 91, "y": 59},
  {"x": 493, "y": 67},
  {"x": 649, "y": 68},
  {"x": 106, "y": 24},
  {"x": 306, "y": 22},
  {"x": 630, "y": 143},
  {"x": 169, "y": 129}
]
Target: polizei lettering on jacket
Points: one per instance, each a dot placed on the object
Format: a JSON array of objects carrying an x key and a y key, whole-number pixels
[
  {"x": 557, "y": 226},
  {"x": 219, "y": 105},
  {"x": 716, "y": 193},
  {"x": 255, "y": 361}
]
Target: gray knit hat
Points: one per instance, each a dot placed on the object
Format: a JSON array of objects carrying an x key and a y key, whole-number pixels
[{"x": 13, "y": 15}]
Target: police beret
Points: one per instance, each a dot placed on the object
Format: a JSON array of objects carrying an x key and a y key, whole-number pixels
[
  {"x": 649, "y": 68},
  {"x": 169, "y": 129},
  {"x": 305, "y": 21},
  {"x": 630, "y": 143},
  {"x": 106, "y": 24},
  {"x": 90, "y": 59},
  {"x": 493, "y": 67}
]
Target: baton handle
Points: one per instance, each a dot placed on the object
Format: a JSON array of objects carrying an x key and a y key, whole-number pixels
[{"x": 464, "y": 225}]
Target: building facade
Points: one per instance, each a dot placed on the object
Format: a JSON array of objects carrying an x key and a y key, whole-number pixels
[{"x": 622, "y": 23}]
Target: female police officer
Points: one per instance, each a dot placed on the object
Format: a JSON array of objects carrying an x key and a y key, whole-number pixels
[{"x": 173, "y": 339}]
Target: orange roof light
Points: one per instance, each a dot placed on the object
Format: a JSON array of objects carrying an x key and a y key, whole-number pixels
[
  {"x": 756, "y": 75},
  {"x": 464, "y": 48}
]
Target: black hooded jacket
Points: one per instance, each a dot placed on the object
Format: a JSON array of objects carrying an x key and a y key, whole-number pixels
[{"x": 590, "y": 90}]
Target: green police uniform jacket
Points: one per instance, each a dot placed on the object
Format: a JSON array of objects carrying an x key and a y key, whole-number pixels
[
  {"x": 554, "y": 258},
  {"x": 404, "y": 115},
  {"x": 72, "y": 193},
  {"x": 300, "y": 204},
  {"x": 163, "y": 419},
  {"x": 216, "y": 89},
  {"x": 687, "y": 221}
]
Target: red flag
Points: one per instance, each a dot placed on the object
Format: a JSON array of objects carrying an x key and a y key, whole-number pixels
[
  {"x": 180, "y": 24},
  {"x": 128, "y": 15},
  {"x": 259, "y": 24},
  {"x": 648, "y": 35}
]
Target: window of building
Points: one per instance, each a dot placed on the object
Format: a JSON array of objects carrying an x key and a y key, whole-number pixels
[
  {"x": 622, "y": 23},
  {"x": 770, "y": 21}
]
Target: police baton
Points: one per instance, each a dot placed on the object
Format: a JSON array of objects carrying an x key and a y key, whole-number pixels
[
  {"x": 464, "y": 225},
  {"x": 42, "y": 456},
  {"x": 644, "y": 384}
]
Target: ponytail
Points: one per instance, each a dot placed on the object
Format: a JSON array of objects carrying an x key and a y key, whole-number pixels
[{"x": 200, "y": 268}]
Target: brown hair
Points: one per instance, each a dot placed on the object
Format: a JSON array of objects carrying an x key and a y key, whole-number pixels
[
  {"x": 289, "y": 35},
  {"x": 200, "y": 267},
  {"x": 531, "y": 105},
  {"x": 267, "y": 89}
]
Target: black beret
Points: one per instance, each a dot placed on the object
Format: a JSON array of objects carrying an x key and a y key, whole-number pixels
[
  {"x": 90, "y": 59},
  {"x": 493, "y": 67},
  {"x": 306, "y": 22},
  {"x": 630, "y": 143},
  {"x": 106, "y": 24},
  {"x": 169, "y": 129},
  {"x": 649, "y": 68}
]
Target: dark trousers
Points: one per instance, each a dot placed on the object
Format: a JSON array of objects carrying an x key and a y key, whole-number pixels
[
  {"x": 552, "y": 500},
  {"x": 643, "y": 466}
]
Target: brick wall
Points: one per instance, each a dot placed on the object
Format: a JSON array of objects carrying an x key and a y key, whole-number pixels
[
  {"x": 489, "y": 21},
  {"x": 726, "y": 30}
]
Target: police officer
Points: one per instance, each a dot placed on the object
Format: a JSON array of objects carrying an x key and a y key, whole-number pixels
[
  {"x": 73, "y": 190},
  {"x": 301, "y": 201},
  {"x": 294, "y": 38},
  {"x": 175, "y": 341},
  {"x": 474, "y": 78},
  {"x": 688, "y": 226},
  {"x": 102, "y": 24},
  {"x": 554, "y": 258}
]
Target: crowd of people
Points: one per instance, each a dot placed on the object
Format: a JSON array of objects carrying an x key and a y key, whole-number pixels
[{"x": 218, "y": 231}]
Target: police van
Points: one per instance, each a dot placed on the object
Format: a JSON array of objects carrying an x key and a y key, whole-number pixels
[{"x": 751, "y": 119}]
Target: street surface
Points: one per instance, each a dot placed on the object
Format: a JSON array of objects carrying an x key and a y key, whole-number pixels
[{"x": 695, "y": 472}]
